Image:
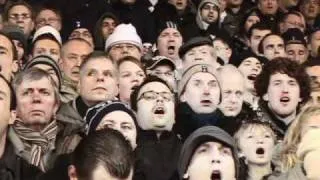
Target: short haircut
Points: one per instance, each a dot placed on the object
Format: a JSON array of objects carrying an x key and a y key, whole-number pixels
[
  {"x": 94, "y": 55},
  {"x": 107, "y": 148},
  {"x": 11, "y": 4},
  {"x": 13, "y": 48},
  {"x": 284, "y": 66},
  {"x": 131, "y": 59},
  {"x": 53, "y": 9},
  {"x": 260, "y": 47},
  {"x": 258, "y": 26},
  {"x": 35, "y": 74},
  {"x": 13, "y": 100},
  {"x": 286, "y": 15},
  {"x": 134, "y": 95}
]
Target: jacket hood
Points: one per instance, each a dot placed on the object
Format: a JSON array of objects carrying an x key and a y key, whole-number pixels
[
  {"x": 203, "y": 25},
  {"x": 201, "y": 135}
]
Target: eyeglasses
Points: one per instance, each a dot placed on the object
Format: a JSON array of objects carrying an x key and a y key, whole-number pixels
[
  {"x": 23, "y": 16},
  {"x": 47, "y": 21},
  {"x": 152, "y": 95}
]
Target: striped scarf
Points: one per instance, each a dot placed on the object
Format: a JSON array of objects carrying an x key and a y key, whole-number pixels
[{"x": 37, "y": 143}]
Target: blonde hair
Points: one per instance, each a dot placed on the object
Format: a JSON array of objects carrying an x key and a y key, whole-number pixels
[
  {"x": 292, "y": 138},
  {"x": 252, "y": 125}
]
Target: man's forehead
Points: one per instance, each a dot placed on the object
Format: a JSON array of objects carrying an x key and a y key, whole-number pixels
[
  {"x": 170, "y": 30},
  {"x": 19, "y": 8},
  {"x": 5, "y": 42},
  {"x": 154, "y": 86},
  {"x": 43, "y": 83}
]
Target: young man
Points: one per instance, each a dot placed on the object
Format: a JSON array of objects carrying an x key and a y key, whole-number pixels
[
  {"x": 37, "y": 104},
  {"x": 46, "y": 41},
  {"x": 154, "y": 103},
  {"x": 209, "y": 153},
  {"x": 11, "y": 164},
  {"x": 282, "y": 86},
  {"x": 103, "y": 154},
  {"x": 272, "y": 46},
  {"x": 295, "y": 45},
  {"x": 98, "y": 82},
  {"x": 124, "y": 41},
  {"x": 256, "y": 33}
]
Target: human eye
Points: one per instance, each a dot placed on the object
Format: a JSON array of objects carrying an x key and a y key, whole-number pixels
[
  {"x": 45, "y": 92},
  {"x": 226, "y": 151},
  {"x": 91, "y": 73},
  {"x": 202, "y": 149},
  {"x": 267, "y": 136},
  {"x": 149, "y": 95},
  {"x": 108, "y": 73},
  {"x": 213, "y": 84},
  {"x": 125, "y": 75},
  {"x": 292, "y": 83},
  {"x": 126, "y": 126},
  {"x": 54, "y": 51},
  {"x": 3, "y": 52},
  {"x": 141, "y": 74}
]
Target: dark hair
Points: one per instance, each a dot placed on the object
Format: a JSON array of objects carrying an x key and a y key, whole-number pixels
[
  {"x": 284, "y": 66},
  {"x": 51, "y": 8},
  {"x": 260, "y": 46},
  {"x": 11, "y": 4},
  {"x": 94, "y": 55},
  {"x": 259, "y": 26},
  {"x": 149, "y": 79},
  {"x": 14, "y": 50},
  {"x": 13, "y": 102},
  {"x": 107, "y": 148}
]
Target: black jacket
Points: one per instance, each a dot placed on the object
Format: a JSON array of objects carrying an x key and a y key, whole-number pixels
[
  {"x": 139, "y": 17},
  {"x": 13, "y": 167},
  {"x": 189, "y": 121},
  {"x": 157, "y": 157}
]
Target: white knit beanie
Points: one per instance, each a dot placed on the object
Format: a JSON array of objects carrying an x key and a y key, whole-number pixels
[{"x": 124, "y": 33}]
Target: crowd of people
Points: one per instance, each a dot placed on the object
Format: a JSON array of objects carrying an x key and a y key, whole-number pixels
[{"x": 159, "y": 89}]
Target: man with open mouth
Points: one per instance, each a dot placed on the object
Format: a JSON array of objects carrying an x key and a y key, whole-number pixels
[
  {"x": 209, "y": 153},
  {"x": 282, "y": 86},
  {"x": 199, "y": 95},
  {"x": 158, "y": 147}
]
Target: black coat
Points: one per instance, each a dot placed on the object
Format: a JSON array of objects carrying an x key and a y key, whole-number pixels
[
  {"x": 189, "y": 121},
  {"x": 157, "y": 157},
  {"x": 139, "y": 17},
  {"x": 13, "y": 167}
]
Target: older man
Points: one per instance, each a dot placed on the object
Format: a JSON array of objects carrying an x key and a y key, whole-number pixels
[{"x": 35, "y": 130}]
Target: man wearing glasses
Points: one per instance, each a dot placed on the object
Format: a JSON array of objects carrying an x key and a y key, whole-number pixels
[
  {"x": 21, "y": 14},
  {"x": 158, "y": 147}
]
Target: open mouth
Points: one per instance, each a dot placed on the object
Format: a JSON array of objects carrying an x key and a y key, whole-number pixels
[
  {"x": 206, "y": 102},
  {"x": 159, "y": 111},
  {"x": 252, "y": 77},
  {"x": 284, "y": 99},
  {"x": 260, "y": 151},
  {"x": 216, "y": 175},
  {"x": 171, "y": 49}
]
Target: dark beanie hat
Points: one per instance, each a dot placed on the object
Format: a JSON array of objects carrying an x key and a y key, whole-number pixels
[
  {"x": 96, "y": 113},
  {"x": 236, "y": 61},
  {"x": 167, "y": 24},
  {"x": 200, "y": 136},
  {"x": 194, "y": 42},
  {"x": 15, "y": 33},
  {"x": 47, "y": 60}
]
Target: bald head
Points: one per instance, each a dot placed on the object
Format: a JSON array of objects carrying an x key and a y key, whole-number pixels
[{"x": 232, "y": 90}]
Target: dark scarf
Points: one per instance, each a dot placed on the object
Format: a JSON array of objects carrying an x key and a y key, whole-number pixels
[{"x": 37, "y": 143}]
